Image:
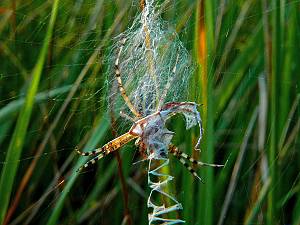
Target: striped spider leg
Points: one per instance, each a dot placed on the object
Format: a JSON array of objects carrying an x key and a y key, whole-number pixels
[
  {"x": 183, "y": 157},
  {"x": 118, "y": 142},
  {"x": 152, "y": 137},
  {"x": 150, "y": 131},
  {"x": 135, "y": 132},
  {"x": 120, "y": 84},
  {"x": 106, "y": 149}
]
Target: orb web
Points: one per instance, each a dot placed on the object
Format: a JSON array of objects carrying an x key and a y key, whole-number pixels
[
  {"x": 149, "y": 69},
  {"x": 154, "y": 65}
]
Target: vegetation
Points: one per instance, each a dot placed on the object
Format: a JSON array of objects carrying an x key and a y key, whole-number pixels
[{"x": 53, "y": 98}]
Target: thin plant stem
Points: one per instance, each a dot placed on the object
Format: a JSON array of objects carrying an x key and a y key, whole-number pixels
[
  {"x": 273, "y": 149},
  {"x": 127, "y": 216}
]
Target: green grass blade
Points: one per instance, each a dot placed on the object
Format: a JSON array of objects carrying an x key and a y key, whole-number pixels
[
  {"x": 274, "y": 109},
  {"x": 98, "y": 188},
  {"x": 289, "y": 55},
  {"x": 205, "y": 215},
  {"x": 246, "y": 53},
  {"x": 259, "y": 204},
  {"x": 296, "y": 216},
  {"x": 15, "y": 147},
  {"x": 239, "y": 66},
  {"x": 14, "y": 106},
  {"x": 99, "y": 133},
  {"x": 237, "y": 168}
]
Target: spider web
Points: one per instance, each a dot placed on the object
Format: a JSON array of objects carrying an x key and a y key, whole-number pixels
[
  {"x": 155, "y": 67},
  {"x": 78, "y": 35}
]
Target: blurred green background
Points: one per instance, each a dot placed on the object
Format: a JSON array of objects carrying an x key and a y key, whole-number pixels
[{"x": 53, "y": 98}]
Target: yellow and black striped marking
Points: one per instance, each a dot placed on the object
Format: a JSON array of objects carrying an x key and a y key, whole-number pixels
[
  {"x": 120, "y": 84},
  {"x": 179, "y": 155},
  {"x": 191, "y": 159},
  {"x": 182, "y": 156},
  {"x": 91, "y": 162},
  {"x": 106, "y": 149}
]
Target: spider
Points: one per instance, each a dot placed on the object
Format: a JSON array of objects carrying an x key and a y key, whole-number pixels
[{"x": 150, "y": 132}]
